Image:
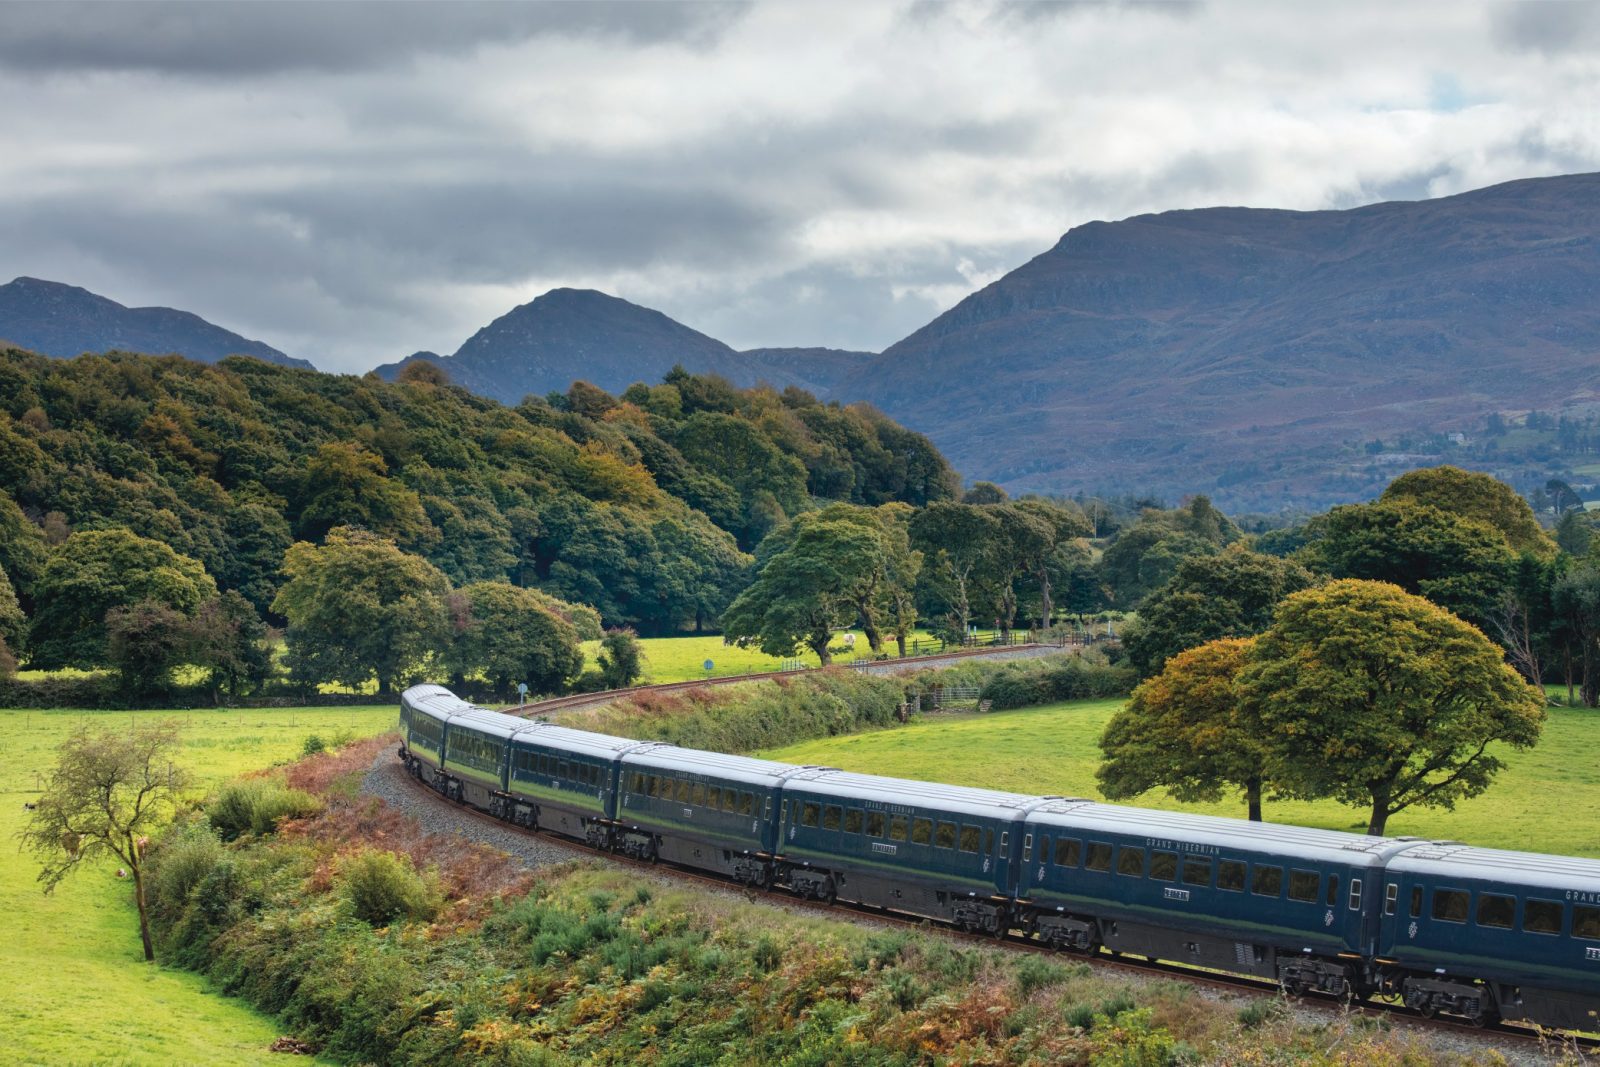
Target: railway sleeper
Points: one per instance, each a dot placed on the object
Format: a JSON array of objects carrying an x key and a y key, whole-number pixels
[
  {"x": 1430, "y": 996},
  {"x": 1308, "y": 974}
]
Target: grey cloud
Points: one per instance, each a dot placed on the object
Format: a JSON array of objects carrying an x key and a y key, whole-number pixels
[
  {"x": 1549, "y": 27},
  {"x": 232, "y": 39}
]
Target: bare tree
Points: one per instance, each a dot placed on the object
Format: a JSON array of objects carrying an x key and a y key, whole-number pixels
[
  {"x": 110, "y": 790},
  {"x": 1511, "y": 623}
]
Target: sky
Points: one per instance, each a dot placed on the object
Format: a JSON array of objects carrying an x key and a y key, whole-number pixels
[{"x": 352, "y": 182}]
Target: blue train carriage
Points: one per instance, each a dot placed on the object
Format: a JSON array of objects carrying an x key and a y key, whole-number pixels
[
  {"x": 565, "y": 781},
  {"x": 1285, "y": 902},
  {"x": 943, "y": 851},
  {"x": 1484, "y": 933},
  {"x": 701, "y": 809},
  {"x": 425, "y": 710},
  {"x": 477, "y": 747}
]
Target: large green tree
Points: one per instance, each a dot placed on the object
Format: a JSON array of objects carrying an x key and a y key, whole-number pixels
[
  {"x": 958, "y": 544},
  {"x": 359, "y": 609},
  {"x": 1478, "y": 496},
  {"x": 1378, "y": 698},
  {"x": 510, "y": 635},
  {"x": 1146, "y": 555},
  {"x": 806, "y": 590},
  {"x": 1459, "y": 563},
  {"x": 347, "y": 485},
  {"x": 1231, "y": 594},
  {"x": 95, "y": 571},
  {"x": 1185, "y": 729}
]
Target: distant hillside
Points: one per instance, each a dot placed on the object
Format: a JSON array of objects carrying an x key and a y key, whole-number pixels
[
  {"x": 64, "y": 320},
  {"x": 567, "y": 335},
  {"x": 1248, "y": 352}
]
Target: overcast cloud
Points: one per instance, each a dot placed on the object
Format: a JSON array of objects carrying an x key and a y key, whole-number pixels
[{"x": 353, "y": 182}]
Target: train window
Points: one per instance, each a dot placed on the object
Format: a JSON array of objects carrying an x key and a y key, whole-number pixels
[
  {"x": 921, "y": 831},
  {"x": 1390, "y": 895},
  {"x": 832, "y": 817},
  {"x": 1130, "y": 861},
  {"x": 681, "y": 786},
  {"x": 1355, "y": 894},
  {"x": 1450, "y": 905},
  {"x": 1333, "y": 890},
  {"x": 1266, "y": 880},
  {"x": 1164, "y": 866},
  {"x": 1303, "y": 885},
  {"x": 1416, "y": 901},
  {"x": 988, "y": 840},
  {"x": 714, "y": 797},
  {"x": 970, "y": 839},
  {"x": 1044, "y": 849},
  {"x": 562, "y": 770},
  {"x": 1586, "y": 922},
  {"x": 1027, "y": 848},
  {"x": 1495, "y": 910},
  {"x": 852, "y": 821},
  {"x": 810, "y": 814},
  {"x": 1197, "y": 870},
  {"x": 1005, "y": 842},
  {"x": 747, "y": 803},
  {"x": 525, "y": 762},
  {"x": 877, "y": 823},
  {"x": 766, "y": 809},
  {"x": 897, "y": 828},
  {"x": 664, "y": 788},
  {"x": 1541, "y": 916},
  {"x": 638, "y": 782},
  {"x": 730, "y": 800},
  {"x": 697, "y": 795},
  {"x": 1099, "y": 856},
  {"x": 544, "y": 764},
  {"x": 1069, "y": 850},
  {"x": 1230, "y": 875}
]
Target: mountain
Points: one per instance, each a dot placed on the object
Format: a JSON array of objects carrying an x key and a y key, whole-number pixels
[
  {"x": 63, "y": 320},
  {"x": 1247, "y": 353},
  {"x": 568, "y": 334}
]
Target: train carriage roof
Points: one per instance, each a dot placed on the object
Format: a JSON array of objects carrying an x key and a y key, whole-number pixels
[
  {"x": 435, "y": 701},
  {"x": 581, "y": 742},
  {"x": 905, "y": 792},
  {"x": 1085, "y": 817},
  {"x": 744, "y": 769},
  {"x": 1442, "y": 861},
  {"x": 494, "y": 724}
]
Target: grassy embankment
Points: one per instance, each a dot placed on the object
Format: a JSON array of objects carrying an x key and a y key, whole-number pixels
[
  {"x": 78, "y": 990},
  {"x": 682, "y": 659},
  {"x": 1546, "y": 800}
]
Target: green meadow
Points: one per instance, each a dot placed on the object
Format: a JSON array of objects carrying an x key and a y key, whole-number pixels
[
  {"x": 682, "y": 659},
  {"x": 1547, "y": 799},
  {"x": 77, "y": 988}
]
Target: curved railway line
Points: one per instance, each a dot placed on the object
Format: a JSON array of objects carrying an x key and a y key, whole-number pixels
[{"x": 1525, "y": 1037}]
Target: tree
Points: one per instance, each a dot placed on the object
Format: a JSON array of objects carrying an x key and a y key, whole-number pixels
[
  {"x": 145, "y": 642},
  {"x": 1373, "y": 696},
  {"x": 1575, "y": 532},
  {"x": 23, "y": 549},
  {"x": 1231, "y": 594},
  {"x": 1184, "y": 729},
  {"x": 509, "y": 635},
  {"x": 1459, "y": 563},
  {"x": 230, "y": 643},
  {"x": 883, "y": 594},
  {"x": 346, "y": 485},
  {"x": 95, "y": 571},
  {"x": 957, "y": 542},
  {"x": 1478, "y": 496},
  {"x": 984, "y": 493},
  {"x": 621, "y": 658},
  {"x": 1053, "y": 562},
  {"x": 1575, "y": 602},
  {"x": 109, "y": 791},
  {"x": 359, "y": 608},
  {"x": 13, "y": 623},
  {"x": 805, "y": 590}
]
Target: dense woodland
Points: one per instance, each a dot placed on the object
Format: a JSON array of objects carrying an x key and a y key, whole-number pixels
[{"x": 156, "y": 512}]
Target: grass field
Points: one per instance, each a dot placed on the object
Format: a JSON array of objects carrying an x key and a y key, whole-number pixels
[
  {"x": 1546, "y": 800},
  {"x": 77, "y": 988},
  {"x": 680, "y": 659}
]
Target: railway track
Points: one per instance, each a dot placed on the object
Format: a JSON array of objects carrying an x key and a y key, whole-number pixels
[
  {"x": 1528, "y": 1038},
  {"x": 579, "y": 701}
]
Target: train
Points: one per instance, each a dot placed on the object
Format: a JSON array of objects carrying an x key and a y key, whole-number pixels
[{"x": 1446, "y": 928}]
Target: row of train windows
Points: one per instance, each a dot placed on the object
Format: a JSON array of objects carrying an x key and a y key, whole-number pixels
[
  {"x": 896, "y": 827},
  {"x": 1263, "y": 879},
  {"x": 475, "y": 751},
  {"x": 427, "y": 729},
  {"x": 1500, "y": 912},
  {"x": 554, "y": 767},
  {"x": 698, "y": 794}
]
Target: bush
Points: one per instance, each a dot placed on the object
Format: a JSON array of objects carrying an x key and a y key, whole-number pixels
[
  {"x": 314, "y": 745},
  {"x": 380, "y": 888},
  {"x": 181, "y": 862},
  {"x": 256, "y": 805}
]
